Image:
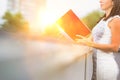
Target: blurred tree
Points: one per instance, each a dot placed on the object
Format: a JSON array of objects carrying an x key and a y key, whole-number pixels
[
  {"x": 15, "y": 23},
  {"x": 92, "y": 18}
]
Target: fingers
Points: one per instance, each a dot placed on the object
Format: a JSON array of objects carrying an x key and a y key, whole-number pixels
[
  {"x": 81, "y": 41},
  {"x": 80, "y": 36},
  {"x": 77, "y": 40}
]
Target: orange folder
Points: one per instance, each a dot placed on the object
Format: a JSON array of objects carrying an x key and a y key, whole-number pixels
[{"x": 72, "y": 25}]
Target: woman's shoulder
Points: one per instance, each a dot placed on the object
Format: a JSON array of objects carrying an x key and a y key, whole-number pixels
[
  {"x": 115, "y": 21},
  {"x": 116, "y": 17}
]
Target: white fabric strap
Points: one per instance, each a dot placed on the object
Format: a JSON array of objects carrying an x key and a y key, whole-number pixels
[{"x": 116, "y": 16}]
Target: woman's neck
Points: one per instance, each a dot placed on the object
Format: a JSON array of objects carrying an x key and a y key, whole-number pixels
[{"x": 108, "y": 12}]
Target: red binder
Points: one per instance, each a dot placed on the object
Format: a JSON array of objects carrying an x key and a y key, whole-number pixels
[{"x": 72, "y": 25}]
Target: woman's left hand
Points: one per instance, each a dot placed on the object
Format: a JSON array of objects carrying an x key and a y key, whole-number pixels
[{"x": 84, "y": 41}]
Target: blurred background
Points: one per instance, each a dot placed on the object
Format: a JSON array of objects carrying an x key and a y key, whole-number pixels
[
  {"x": 33, "y": 48},
  {"x": 37, "y": 14}
]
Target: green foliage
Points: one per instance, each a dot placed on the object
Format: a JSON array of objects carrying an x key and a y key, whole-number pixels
[
  {"x": 14, "y": 22},
  {"x": 92, "y": 18}
]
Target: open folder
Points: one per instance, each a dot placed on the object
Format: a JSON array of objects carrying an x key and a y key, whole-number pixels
[{"x": 71, "y": 25}]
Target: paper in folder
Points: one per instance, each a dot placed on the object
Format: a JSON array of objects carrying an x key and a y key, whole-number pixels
[{"x": 72, "y": 25}]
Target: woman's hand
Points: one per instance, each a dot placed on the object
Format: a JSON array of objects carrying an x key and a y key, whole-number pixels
[{"x": 84, "y": 41}]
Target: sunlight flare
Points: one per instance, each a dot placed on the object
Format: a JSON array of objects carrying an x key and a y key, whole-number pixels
[{"x": 46, "y": 19}]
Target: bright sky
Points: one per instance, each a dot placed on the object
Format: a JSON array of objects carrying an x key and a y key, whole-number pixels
[
  {"x": 57, "y": 8},
  {"x": 60, "y": 7},
  {"x": 80, "y": 7},
  {"x": 3, "y": 7}
]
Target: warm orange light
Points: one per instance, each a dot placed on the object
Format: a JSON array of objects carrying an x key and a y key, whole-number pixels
[
  {"x": 72, "y": 25},
  {"x": 46, "y": 18}
]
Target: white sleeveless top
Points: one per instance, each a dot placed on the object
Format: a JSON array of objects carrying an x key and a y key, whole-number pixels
[
  {"x": 101, "y": 32},
  {"x": 107, "y": 68}
]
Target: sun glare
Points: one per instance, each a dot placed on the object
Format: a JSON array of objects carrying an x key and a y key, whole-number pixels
[{"x": 46, "y": 18}]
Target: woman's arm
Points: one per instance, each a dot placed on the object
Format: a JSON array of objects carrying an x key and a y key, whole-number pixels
[{"x": 115, "y": 40}]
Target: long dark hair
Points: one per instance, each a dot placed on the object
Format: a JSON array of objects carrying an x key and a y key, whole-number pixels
[{"x": 115, "y": 10}]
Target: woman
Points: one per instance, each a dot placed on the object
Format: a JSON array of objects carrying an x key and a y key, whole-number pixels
[{"x": 106, "y": 41}]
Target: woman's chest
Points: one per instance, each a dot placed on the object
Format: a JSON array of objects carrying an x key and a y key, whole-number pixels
[{"x": 101, "y": 30}]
